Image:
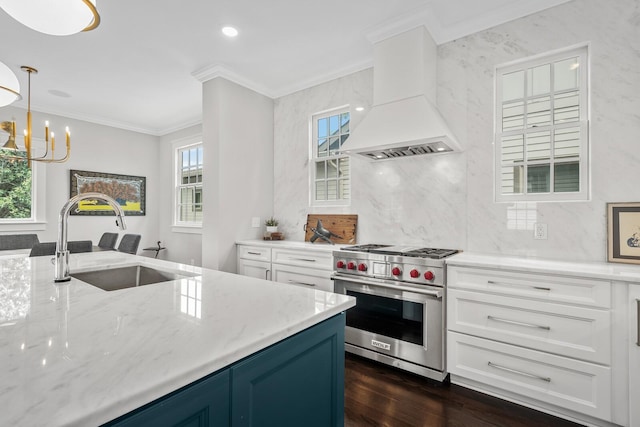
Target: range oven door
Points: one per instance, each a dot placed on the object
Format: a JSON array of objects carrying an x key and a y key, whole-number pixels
[{"x": 395, "y": 320}]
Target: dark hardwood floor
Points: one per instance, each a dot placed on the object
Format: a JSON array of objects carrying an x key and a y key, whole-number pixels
[{"x": 379, "y": 395}]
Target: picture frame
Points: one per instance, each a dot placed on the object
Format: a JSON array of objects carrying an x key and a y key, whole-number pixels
[
  {"x": 128, "y": 190},
  {"x": 623, "y": 232}
]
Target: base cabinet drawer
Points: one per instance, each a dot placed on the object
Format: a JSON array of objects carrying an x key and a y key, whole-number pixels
[
  {"x": 567, "y": 383},
  {"x": 571, "y": 331},
  {"x": 318, "y": 279},
  {"x": 257, "y": 253},
  {"x": 303, "y": 258},
  {"x": 554, "y": 288}
]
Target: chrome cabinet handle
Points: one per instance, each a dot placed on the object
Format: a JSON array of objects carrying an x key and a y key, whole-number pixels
[
  {"x": 638, "y": 320},
  {"x": 266, "y": 274},
  {"x": 302, "y": 259},
  {"x": 515, "y": 322},
  {"x": 540, "y": 288},
  {"x": 515, "y": 371},
  {"x": 254, "y": 253},
  {"x": 300, "y": 283}
]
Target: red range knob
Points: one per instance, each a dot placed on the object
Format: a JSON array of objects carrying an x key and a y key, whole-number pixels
[
  {"x": 396, "y": 271},
  {"x": 362, "y": 267},
  {"x": 340, "y": 264},
  {"x": 414, "y": 273},
  {"x": 351, "y": 266},
  {"x": 428, "y": 275}
]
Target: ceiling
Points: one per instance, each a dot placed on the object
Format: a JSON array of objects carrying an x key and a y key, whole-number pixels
[{"x": 141, "y": 69}]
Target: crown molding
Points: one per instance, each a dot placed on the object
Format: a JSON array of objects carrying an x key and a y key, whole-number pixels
[
  {"x": 111, "y": 123},
  {"x": 217, "y": 70},
  {"x": 399, "y": 24},
  {"x": 480, "y": 22},
  {"x": 336, "y": 74}
]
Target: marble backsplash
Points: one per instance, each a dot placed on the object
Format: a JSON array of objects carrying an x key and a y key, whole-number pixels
[{"x": 447, "y": 200}]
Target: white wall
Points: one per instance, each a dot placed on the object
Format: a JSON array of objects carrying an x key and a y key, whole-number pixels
[
  {"x": 406, "y": 201},
  {"x": 101, "y": 149},
  {"x": 577, "y": 230},
  {"x": 181, "y": 247},
  {"x": 237, "y": 128},
  {"x": 447, "y": 201}
]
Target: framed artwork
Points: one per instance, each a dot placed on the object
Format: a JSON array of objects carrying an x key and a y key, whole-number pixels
[
  {"x": 623, "y": 232},
  {"x": 128, "y": 190}
]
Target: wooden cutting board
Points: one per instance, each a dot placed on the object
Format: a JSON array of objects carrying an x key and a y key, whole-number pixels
[{"x": 342, "y": 225}]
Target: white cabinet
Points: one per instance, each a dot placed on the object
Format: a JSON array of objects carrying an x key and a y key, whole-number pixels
[
  {"x": 634, "y": 355},
  {"x": 254, "y": 261},
  {"x": 257, "y": 269},
  {"x": 298, "y": 264},
  {"x": 568, "y": 383},
  {"x": 256, "y": 253},
  {"x": 536, "y": 338},
  {"x": 301, "y": 276}
]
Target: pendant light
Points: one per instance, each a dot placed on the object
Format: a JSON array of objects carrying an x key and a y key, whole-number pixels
[
  {"x": 9, "y": 86},
  {"x": 57, "y": 18},
  {"x": 49, "y": 137}
]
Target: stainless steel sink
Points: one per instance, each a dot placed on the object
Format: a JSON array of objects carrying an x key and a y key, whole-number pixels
[{"x": 128, "y": 277}]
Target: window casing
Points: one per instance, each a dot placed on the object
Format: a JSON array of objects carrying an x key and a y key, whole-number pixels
[
  {"x": 188, "y": 185},
  {"x": 541, "y": 140},
  {"x": 330, "y": 171}
]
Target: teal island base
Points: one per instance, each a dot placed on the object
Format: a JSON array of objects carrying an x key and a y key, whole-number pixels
[{"x": 296, "y": 382}]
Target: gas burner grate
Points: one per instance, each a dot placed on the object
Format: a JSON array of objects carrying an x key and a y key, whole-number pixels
[
  {"x": 430, "y": 253},
  {"x": 364, "y": 248}
]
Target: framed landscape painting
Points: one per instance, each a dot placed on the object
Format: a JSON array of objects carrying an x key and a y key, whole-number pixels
[
  {"x": 623, "y": 232},
  {"x": 128, "y": 190}
]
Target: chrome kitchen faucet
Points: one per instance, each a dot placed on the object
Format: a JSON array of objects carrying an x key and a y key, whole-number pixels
[{"x": 62, "y": 253}]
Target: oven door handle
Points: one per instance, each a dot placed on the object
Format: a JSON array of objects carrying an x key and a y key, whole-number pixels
[{"x": 389, "y": 285}]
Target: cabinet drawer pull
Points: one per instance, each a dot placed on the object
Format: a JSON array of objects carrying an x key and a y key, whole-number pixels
[
  {"x": 254, "y": 253},
  {"x": 295, "y": 282},
  {"x": 515, "y": 322},
  {"x": 266, "y": 274},
  {"x": 515, "y": 371},
  {"x": 638, "y": 319},
  {"x": 302, "y": 259},
  {"x": 540, "y": 288}
]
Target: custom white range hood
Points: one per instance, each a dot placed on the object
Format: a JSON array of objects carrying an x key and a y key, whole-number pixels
[{"x": 404, "y": 120}]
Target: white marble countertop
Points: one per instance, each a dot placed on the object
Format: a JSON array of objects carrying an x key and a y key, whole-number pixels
[
  {"x": 596, "y": 270},
  {"x": 74, "y": 355},
  {"x": 292, "y": 244}
]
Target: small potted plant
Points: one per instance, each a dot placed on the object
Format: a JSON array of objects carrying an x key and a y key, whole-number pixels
[{"x": 272, "y": 225}]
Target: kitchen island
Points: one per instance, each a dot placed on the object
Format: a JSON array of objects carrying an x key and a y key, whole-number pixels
[{"x": 72, "y": 354}]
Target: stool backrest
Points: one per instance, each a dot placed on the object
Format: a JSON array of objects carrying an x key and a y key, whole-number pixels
[
  {"x": 108, "y": 241},
  {"x": 17, "y": 241},
  {"x": 129, "y": 243}
]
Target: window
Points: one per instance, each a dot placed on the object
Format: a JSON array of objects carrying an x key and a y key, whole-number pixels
[
  {"x": 22, "y": 206},
  {"x": 541, "y": 143},
  {"x": 189, "y": 167},
  {"x": 16, "y": 193},
  {"x": 330, "y": 175}
]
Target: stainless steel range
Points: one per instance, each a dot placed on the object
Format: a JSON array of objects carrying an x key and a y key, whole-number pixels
[{"x": 399, "y": 314}]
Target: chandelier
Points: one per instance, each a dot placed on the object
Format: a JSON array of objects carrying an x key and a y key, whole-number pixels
[
  {"x": 49, "y": 138},
  {"x": 57, "y": 18}
]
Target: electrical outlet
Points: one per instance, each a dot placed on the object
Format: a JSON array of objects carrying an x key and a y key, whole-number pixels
[
  {"x": 255, "y": 222},
  {"x": 540, "y": 231}
]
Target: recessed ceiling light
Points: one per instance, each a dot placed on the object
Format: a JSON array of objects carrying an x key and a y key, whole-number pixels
[
  {"x": 359, "y": 108},
  {"x": 229, "y": 31}
]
